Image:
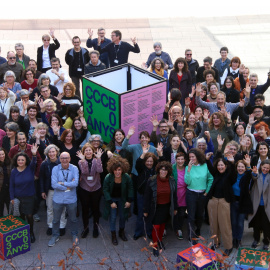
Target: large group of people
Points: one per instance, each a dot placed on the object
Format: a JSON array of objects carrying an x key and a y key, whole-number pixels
[{"x": 207, "y": 159}]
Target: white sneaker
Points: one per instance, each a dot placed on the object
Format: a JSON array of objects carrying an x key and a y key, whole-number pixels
[{"x": 179, "y": 235}]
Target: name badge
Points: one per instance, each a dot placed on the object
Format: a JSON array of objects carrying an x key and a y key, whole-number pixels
[
  {"x": 90, "y": 178},
  {"x": 116, "y": 61},
  {"x": 79, "y": 69}
]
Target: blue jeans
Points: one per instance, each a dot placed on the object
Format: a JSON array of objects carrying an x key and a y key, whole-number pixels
[
  {"x": 237, "y": 220},
  {"x": 141, "y": 224},
  {"x": 113, "y": 215},
  {"x": 57, "y": 212},
  {"x": 195, "y": 207}
]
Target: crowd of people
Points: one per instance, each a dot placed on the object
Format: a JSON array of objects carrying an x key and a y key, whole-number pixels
[{"x": 207, "y": 159}]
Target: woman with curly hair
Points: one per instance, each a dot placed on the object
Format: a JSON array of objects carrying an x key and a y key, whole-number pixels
[
  {"x": 199, "y": 181},
  {"x": 69, "y": 97},
  {"x": 160, "y": 201},
  {"x": 118, "y": 194},
  {"x": 180, "y": 78}
]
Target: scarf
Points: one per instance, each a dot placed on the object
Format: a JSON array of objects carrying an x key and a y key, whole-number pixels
[
  {"x": 159, "y": 72},
  {"x": 258, "y": 138}
]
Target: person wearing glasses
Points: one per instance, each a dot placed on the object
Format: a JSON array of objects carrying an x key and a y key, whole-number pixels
[
  {"x": 118, "y": 50},
  {"x": 11, "y": 65},
  {"x": 47, "y": 51},
  {"x": 93, "y": 43},
  {"x": 193, "y": 64},
  {"x": 20, "y": 56},
  {"x": 76, "y": 58},
  {"x": 29, "y": 83}
]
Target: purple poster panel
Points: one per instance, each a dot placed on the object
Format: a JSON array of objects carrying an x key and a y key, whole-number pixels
[{"x": 138, "y": 106}]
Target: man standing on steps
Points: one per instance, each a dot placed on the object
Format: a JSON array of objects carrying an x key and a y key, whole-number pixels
[
  {"x": 118, "y": 50},
  {"x": 76, "y": 58},
  {"x": 93, "y": 43}
]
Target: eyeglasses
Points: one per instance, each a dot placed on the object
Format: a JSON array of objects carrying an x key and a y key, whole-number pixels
[
  {"x": 163, "y": 169},
  {"x": 189, "y": 54},
  {"x": 257, "y": 112},
  {"x": 12, "y": 57},
  {"x": 163, "y": 126},
  {"x": 29, "y": 74},
  {"x": 68, "y": 89},
  {"x": 113, "y": 35},
  {"x": 64, "y": 157},
  {"x": 46, "y": 40}
]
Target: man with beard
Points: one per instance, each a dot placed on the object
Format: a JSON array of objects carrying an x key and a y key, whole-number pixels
[
  {"x": 11, "y": 64},
  {"x": 163, "y": 137},
  {"x": 159, "y": 53},
  {"x": 118, "y": 50}
]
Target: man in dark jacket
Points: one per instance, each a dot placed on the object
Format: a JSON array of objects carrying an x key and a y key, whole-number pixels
[
  {"x": 76, "y": 58},
  {"x": 255, "y": 88},
  {"x": 118, "y": 50},
  {"x": 193, "y": 64},
  {"x": 104, "y": 58},
  {"x": 11, "y": 64},
  {"x": 207, "y": 64},
  {"x": 94, "y": 64},
  {"x": 21, "y": 58}
]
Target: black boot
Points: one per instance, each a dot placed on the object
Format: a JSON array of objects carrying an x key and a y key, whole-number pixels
[
  {"x": 32, "y": 237},
  {"x": 122, "y": 234},
  {"x": 114, "y": 239}
]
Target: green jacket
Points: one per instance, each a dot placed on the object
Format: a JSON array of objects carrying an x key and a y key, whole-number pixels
[{"x": 126, "y": 190}]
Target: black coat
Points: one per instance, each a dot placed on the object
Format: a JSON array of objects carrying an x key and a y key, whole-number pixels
[
  {"x": 143, "y": 175},
  {"x": 150, "y": 197},
  {"x": 200, "y": 78},
  {"x": 245, "y": 202},
  {"x": 167, "y": 153},
  {"x": 232, "y": 95},
  {"x": 27, "y": 125},
  {"x": 228, "y": 178},
  {"x": 185, "y": 84},
  {"x": 52, "y": 48},
  {"x": 54, "y": 92}
]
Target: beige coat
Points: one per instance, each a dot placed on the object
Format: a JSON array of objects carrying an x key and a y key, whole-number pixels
[{"x": 255, "y": 194}]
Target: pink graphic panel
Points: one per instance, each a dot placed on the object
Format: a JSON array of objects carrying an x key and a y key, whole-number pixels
[{"x": 138, "y": 106}]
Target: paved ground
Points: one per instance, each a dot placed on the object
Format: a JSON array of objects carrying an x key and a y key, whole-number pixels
[
  {"x": 246, "y": 36},
  {"x": 128, "y": 253}
]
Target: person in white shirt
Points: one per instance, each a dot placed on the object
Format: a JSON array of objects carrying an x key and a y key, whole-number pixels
[{"x": 58, "y": 76}]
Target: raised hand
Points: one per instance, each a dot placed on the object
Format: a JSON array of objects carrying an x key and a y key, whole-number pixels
[
  {"x": 25, "y": 104},
  {"x": 193, "y": 90},
  {"x": 198, "y": 89},
  {"x": 251, "y": 119},
  {"x": 255, "y": 169},
  {"x": 131, "y": 131},
  {"x": 80, "y": 155},
  {"x": 230, "y": 158},
  {"x": 207, "y": 134},
  {"x": 34, "y": 149},
  {"x": 208, "y": 155},
  {"x": 223, "y": 110},
  {"x": 84, "y": 124},
  {"x": 160, "y": 149},
  {"x": 99, "y": 40},
  {"x": 5, "y": 87},
  {"x": 99, "y": 153},
  {"x": 154, "y": 121},
  {"x": 241, "y": 68},
  {"x": 41, "y": 104},
  {"x": 90, "y": 32},
  {"x": 55, "y": 129},
  {"x": 170, "y": 122},
  {"x": 190, "y": 164},
  {"x": 80, "y": 113},
  {"x": 241, "y": 103},
  {"x": 247, "y": 160},
  {"x": 206, "y": 115},
  {"x": 220, "y": 141},
  {"x": 133, "y": 40},
  {"x": 59, "y": 96},
  {"x": 51, "y": 32},
  {"x": 187, "y": 101},
  {"x": 167, "y": 106},
  {"x": 229, "y": 116},
  {"x": 243, "y": 142}
]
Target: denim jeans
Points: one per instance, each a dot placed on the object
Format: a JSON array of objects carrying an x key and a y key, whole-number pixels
[
  {"x": 57, "y": 212},
  {"x": 113, "y": 215},
  {"x": 237, "y": 220},
  {"x": 195, "y": 207},
  {"x": 141, "y": 224}
]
